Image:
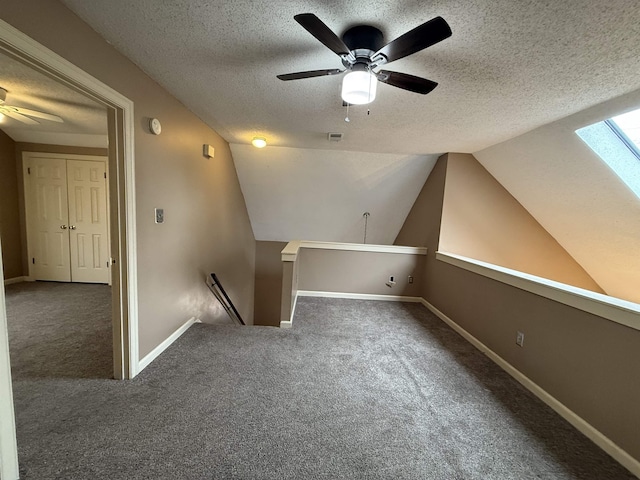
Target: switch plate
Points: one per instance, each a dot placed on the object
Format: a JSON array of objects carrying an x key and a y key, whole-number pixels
[
  {"x": 520, "y": 339},
  {"x": 410, "y": 279},
  {"x": 159, "y": 212}
]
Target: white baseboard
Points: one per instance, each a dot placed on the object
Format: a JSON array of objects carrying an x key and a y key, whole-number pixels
[
  {"x": 289, "y": 323},
  {"x": 352, "y": 296},
  {"x": 359, "y": 296},
  {"x": 579, "y": 423},
  {"x": 11, "y": 281},
  {"x": 153, "y": 354}
]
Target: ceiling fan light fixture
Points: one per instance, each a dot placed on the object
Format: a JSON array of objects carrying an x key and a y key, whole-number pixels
[
  {"x": 359, "y": 87},
  {"x": 259, "y": 142}
]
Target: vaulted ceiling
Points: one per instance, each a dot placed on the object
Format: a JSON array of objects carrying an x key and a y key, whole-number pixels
[{"x": 510, "y": 67}]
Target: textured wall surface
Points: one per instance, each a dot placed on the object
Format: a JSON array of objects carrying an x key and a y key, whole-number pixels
[
  {"x": 576, "y": 196},
  {"x": 9, "y": 211},
  {"x": 481, "y": 220},
  {"x": 359, "y": 272},
  {"x": 206, "y": 225},
  {"x": 586, "y": 362},
  {"x": 268, "y": 292}
]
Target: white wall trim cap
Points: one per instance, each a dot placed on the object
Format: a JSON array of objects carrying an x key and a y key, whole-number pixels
[
  {"x": 290, "y": 252},
  {"x": 578, "y": 422},
  {"x": 610, "y": 308},
  {"x": 153, "y": 354}
]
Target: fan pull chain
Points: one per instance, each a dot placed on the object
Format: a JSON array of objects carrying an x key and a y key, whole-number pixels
[
  {"x": 346, "y": 119},
  {"x": 366, "y": 218}
]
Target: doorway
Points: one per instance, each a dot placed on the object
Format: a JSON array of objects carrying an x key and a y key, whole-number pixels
[
  {"x": 120, "y": 167},
  {"x": 16, "y": 45}
]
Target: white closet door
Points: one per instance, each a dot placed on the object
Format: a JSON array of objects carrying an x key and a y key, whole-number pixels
[
  {"x": 88, "y": 241},
  {"x": 48, "y": 219}
]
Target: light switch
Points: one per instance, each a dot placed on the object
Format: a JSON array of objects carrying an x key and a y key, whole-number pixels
[{"x": 159, "y": 215}]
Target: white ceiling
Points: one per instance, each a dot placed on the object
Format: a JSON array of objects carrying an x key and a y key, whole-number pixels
[
  {"x": 85, "y": 121},
  {"x": 509, "y": 67},
  {"x": 575, "y": 196},
  {"x": 295, "y": 193}
]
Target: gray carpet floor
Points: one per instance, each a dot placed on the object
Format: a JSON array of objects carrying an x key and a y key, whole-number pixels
[
  {"x": 59, "y": 330},
  {"x": 356, "y": 390}
]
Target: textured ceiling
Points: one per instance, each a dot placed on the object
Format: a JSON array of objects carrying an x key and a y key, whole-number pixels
[
  {"x": 509, "y": 67},
  {"x": 294, "y": 193},
  {"x": 85, "y": 122}
]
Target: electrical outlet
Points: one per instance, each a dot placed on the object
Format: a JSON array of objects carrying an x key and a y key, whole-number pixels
[
  {"x": 410, "y": 279},
  {"x": 520, "y": 339},
  {"x": 392, "y": 279}
]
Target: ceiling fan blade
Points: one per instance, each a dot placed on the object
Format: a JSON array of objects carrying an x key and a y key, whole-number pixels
[
  {"x": 427, "y": 34},
  {"x": 35, "y": 113},
  {"x": 309, "y": 74},
  {"x": 318, "y": 29},
  {"x": 19, "y": 117},
  {"x": 407, "y": 82}
]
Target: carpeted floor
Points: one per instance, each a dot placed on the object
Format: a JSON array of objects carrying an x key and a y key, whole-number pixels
[
  {"x": 59, "y": 330},
  {"x": 357, "y": 390}
]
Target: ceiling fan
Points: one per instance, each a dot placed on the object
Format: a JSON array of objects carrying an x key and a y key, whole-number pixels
[
  {"x": 23, "y": 114},
  {"x": 362, "y": 51}
]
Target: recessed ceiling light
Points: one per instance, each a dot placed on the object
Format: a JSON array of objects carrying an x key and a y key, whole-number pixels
[{"x": 259, "y": 142}]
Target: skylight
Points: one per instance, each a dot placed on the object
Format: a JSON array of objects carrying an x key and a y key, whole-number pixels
[
  {"x": 629, "y": 125},
  {"x": 617, "y": 141}
]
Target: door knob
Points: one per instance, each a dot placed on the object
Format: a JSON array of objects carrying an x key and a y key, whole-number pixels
[
  {"x": 72, "y": 227},
  {"x": 63, "y": 227}
]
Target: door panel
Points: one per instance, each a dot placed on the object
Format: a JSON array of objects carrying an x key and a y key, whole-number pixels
[
  {"x": 88, "y": 220},
  {"x": 48, "y": 219}
]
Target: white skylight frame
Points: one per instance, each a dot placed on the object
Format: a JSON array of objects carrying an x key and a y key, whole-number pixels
[{"x": 616, "y": 141}]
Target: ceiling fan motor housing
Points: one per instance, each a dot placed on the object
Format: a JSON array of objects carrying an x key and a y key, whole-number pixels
[{"x": 363, "y": 37}]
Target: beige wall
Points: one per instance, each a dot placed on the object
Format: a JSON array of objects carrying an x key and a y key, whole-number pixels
[
  {"x": 422, "y": 225},
  {"x": 207, "y": 228},
  {"x": 359, "y": 272},
  {"x": 586, "y": 362},
  {"x": 9, "y": 211},
  {"x": 481, "y": 220},
  {"x": 268, "y": 290}
]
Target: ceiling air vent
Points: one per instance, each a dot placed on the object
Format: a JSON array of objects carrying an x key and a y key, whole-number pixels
[{"x": 335, "y": 137}]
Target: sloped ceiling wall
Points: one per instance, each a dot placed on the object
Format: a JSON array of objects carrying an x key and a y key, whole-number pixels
[
  {"x": 321, "y": 195},
  {"x": 575, "y": 196}
]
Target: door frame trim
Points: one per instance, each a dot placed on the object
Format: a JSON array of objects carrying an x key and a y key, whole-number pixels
[{"x": 122, "y": 186}]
